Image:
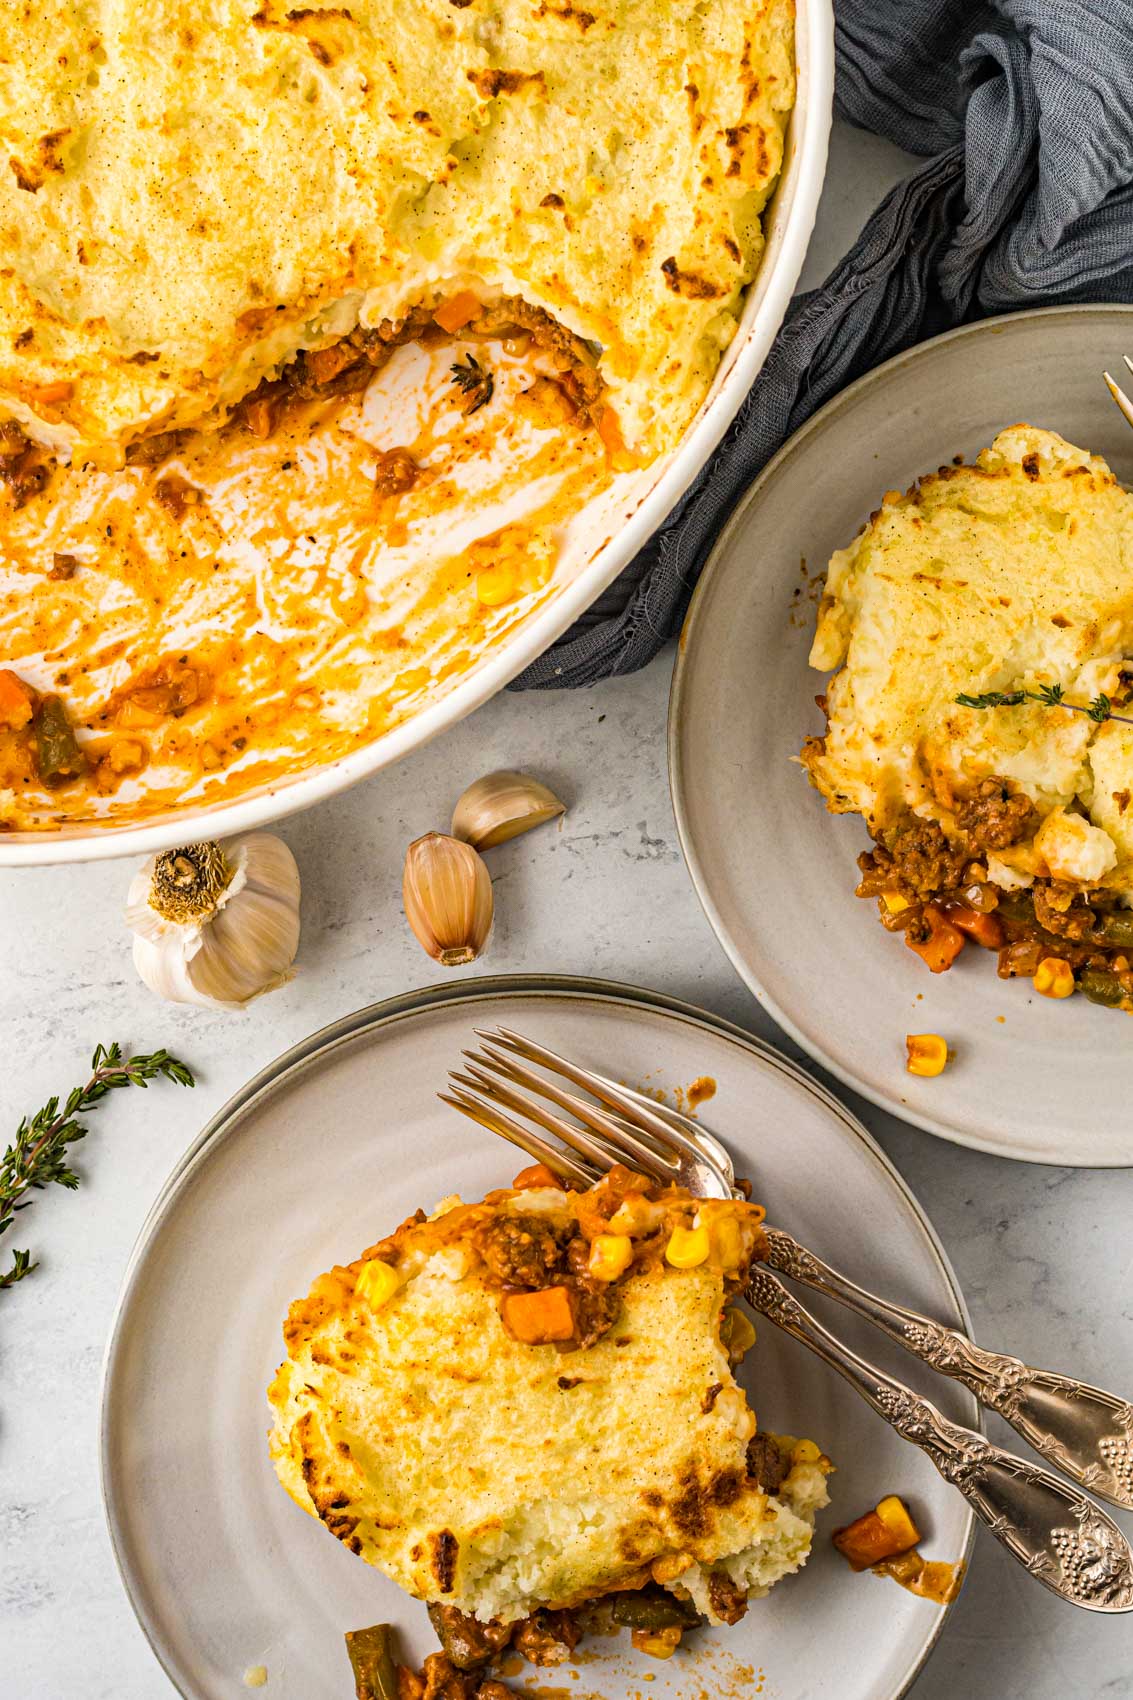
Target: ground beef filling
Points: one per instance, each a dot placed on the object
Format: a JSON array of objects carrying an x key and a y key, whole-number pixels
[
  {"x": 924, "y": 879},
  {"x": 994, "y": 817},
  {"x": 467, "y": 1642},
  {"x": 346, "y": 367},
  {"x": 727, "y": 1599},
  {"x": 525, "y": 1253},
  {"x": 22, "y": 467},
  {"x": 549, "y": 1637},
  {"x": 440, "y": 1679},
  {"x": 765, "y": 1463}
]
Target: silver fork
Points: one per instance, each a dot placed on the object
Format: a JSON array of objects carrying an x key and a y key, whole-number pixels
[
  {"x": 1066, "y": 1541},
  {"x": 1119, "y": 394}
]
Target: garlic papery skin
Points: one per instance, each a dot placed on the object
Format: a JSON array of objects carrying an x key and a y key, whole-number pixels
[
  {"x": 501, "y": 806},
  {"x": 447, "y": 892},
  {"x": 216, "y": 923}
]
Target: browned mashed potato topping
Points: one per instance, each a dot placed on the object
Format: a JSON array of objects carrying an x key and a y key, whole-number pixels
[{"x": 245, "y": 527}]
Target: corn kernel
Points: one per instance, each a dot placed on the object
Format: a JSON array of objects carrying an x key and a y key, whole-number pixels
[
  {"x": 894, "y": 902},
  {"x": 727, "y": 1243},
  {"x": 132, "y": 715},
  {"x": 610, "y": 1256},
  {"x": 496, "y": 584},
  {"x": 687, "y": 1247},
  {"x": 894, "y": 1513},
  {"x": 657, "y": 1643},
  {"x": 125, "y": 756},
  {"x": 927, "y": 1054},
  {"x": 1054, "y": 978},
  {"x": 805, "y": 1452},
  {"x": 740, "y": 1333},
  {"x": 377, "y": 1283}
]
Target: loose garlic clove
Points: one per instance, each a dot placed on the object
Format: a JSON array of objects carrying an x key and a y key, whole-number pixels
[
  {"x": 501, "y": 806},
  {"x": 216, "y": 924},
  {"x": 447, "y": 892}
]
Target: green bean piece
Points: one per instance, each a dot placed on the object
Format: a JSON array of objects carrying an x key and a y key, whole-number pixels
[
  {"x": 1100, "y": 986},
  {"x": 653, "y": 1608},
  {"x": 371, "y": 1659},
  {"x": 58, "y": 758},
  {"x": 1016, "y": 906},
  {"x": 1116, "y": 928}
]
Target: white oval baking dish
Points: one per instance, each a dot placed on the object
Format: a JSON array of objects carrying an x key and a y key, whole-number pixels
[{"x": 788, "y": 223}]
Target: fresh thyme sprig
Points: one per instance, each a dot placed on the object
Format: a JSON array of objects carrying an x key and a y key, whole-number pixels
[
  {"x": 1050, "y": 696},
  {"x": 38, "y": 1156},
  {"x": 475, "y": 382}
]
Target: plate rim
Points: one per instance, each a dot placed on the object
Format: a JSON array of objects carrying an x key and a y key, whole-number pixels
[
  {"x": 389, "y": 1012},
  {"x": 829, "y": 413}
]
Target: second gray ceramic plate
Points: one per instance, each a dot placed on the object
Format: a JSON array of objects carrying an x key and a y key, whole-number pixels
[
  {"x": 344, "y": 1137},
  {"x": 1034, "y": 1079}
]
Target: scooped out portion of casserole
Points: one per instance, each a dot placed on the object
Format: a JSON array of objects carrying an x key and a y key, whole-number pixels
[
  {"x": 231, "y": 606},
  {"x": 979, "y": 719},
  {"x": 226, "y": 227},
  {"x": 527, "y": 1404}
]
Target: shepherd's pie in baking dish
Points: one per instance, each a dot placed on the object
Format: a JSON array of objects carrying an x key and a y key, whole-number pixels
[
  {"x": 979, "y": 718},
  {"x": 326, "y": 334},
  {"x": 527, "y": 1403}
]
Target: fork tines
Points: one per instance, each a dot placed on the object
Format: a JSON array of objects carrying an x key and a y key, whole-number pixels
[
  {"x": 587, "y": 1134},
  {"x": 560, "y": 1161},
  {"x": 1119, "y": 394}
]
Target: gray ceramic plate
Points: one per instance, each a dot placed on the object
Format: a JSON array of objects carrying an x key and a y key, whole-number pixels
[
  {"x": 344, "y": 1137},
  {"x": 1044, "y": 1081}
]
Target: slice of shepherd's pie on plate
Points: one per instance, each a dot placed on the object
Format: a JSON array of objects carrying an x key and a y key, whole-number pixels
[
  {"x": 524, "y": 1410},
  {"x": 979, "y": 718}
]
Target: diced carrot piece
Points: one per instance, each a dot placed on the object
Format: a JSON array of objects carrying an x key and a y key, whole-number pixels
[
  {"x": 944, "y": 943},
  {"x": 17, "y": 701},
  {"x": 539, "y": 1319},
  {"x": 459, "y": 310},
  {"x": 260, "y": 416},
  {"x": 537, "y": 1174},
  {"x": 610, "y": 431},
  {"x": 864, "y": 1542},
  {"x": 984, "y": 929},
  {"x": 323, "y": 364},
  {"x": 874, "y": 1537}
]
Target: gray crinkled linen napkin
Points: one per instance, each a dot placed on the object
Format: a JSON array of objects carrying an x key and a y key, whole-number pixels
[{"x": 1025, "y": 109}]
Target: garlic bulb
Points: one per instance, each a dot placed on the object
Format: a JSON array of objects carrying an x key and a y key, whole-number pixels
[
  {"x": 501, "y": 806},
  {"x": 447, "y": 892},
  {"x": 216, "y": 924}
]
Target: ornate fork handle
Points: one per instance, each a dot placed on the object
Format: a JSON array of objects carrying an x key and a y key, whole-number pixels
[
  {"x": 1068, "y": 1543},
  {"x": 1082, "y": 1430}
]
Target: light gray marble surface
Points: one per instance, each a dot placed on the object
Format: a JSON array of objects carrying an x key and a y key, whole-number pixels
[{"x": 1043, "y": 1254}]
